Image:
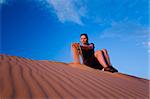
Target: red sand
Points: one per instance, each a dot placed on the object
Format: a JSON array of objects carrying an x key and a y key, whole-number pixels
[{"x": 22, "y": 78}]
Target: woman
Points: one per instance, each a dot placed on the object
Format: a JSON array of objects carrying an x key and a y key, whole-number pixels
[{"x": 95, "y": 59}]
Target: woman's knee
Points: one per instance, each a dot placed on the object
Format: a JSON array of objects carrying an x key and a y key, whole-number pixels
[
  {"x": 98, "y": 52},
  {"x": 104, "y": 50}
]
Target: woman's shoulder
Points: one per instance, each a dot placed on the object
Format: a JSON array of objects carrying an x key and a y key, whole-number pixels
[{"x": 91, "y": 44}]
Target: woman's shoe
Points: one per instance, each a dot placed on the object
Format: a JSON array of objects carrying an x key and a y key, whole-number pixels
[
  {"x": 110, "y": 69},
  {"x": 114, "y": 68}
]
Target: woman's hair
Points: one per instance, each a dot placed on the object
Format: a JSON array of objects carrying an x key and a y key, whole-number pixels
[{"x": 84, "y": 35}]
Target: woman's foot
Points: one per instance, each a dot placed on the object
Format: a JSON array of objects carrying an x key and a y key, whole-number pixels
[{"x": 110, "y": 69}]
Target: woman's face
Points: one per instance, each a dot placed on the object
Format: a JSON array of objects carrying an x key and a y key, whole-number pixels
[{"x": 83, "y": 39}]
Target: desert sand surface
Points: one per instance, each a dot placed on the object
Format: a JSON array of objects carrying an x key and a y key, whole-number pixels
[{"x": 22, "y": 78}]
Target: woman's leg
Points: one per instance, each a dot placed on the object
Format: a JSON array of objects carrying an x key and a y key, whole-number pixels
[
  {"x": 106, "y": 56},
  {"x": 101, "y": 58}
]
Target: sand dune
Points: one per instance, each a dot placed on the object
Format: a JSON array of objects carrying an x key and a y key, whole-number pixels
[{"x": 22, "y": 78}]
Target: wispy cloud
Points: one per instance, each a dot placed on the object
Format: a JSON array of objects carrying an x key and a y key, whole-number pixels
[
  {"x": 3, "y": 2},
  {"x": 147, "y": 46},
  {"x": 68, "y": 10},
  {"x": 127, "y": 31}
]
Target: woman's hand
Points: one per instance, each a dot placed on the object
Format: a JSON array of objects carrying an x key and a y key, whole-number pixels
[{"x": 75, "y": 45}]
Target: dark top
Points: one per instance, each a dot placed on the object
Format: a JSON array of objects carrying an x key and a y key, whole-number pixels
[{"x": 89, "y": 58}]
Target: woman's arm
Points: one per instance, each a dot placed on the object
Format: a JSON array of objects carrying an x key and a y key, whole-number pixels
[
  {"x": 90, "y": 46},
  {"x": 76, "y": 52}
]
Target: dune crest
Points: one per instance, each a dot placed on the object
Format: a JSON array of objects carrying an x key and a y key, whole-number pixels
[{"x": 22, "y": 78}]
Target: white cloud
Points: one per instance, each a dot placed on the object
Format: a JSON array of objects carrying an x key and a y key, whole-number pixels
[
  {"x": 68, "y": 10},
  {"x": 148, "y": 43},
  {"x": 148, "y": 47},
  {"x": 128, "y": 31},
  {"x": 3, "y": 1},
  {"x": 148, "y": 50}
]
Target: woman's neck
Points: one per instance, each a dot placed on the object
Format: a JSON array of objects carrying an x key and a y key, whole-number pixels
[{"x": 85, "y": 44}]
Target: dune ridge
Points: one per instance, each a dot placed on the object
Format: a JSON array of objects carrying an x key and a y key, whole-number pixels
[{"x": 22, "y": 78}]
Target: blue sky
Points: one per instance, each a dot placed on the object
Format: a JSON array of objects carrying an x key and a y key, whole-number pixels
[{"x": 45, "y": 29}]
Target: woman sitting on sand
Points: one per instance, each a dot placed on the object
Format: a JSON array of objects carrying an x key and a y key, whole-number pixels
[{"x": 98, "y": 59}]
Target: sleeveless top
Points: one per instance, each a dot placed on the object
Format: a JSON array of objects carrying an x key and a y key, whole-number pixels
[{"x": 89, "y": 58}]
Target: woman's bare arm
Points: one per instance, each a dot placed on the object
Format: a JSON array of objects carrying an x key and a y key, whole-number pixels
[{"x": 76, "y": 52}]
